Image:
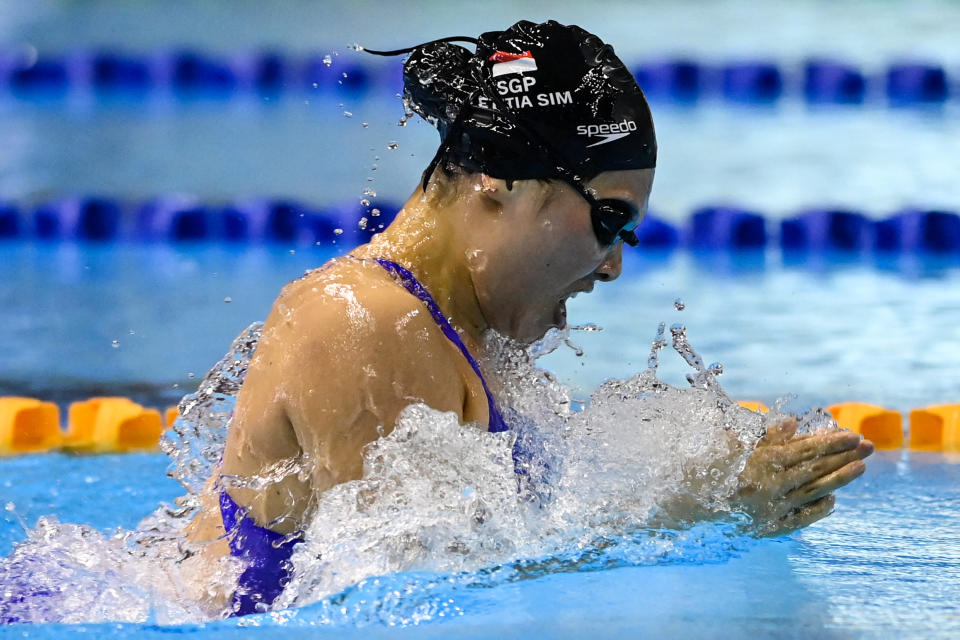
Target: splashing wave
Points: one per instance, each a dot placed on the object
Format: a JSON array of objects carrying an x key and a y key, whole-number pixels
[{"x": 439, "y": 510}]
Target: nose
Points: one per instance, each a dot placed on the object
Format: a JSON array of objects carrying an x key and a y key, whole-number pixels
[{"x": 612, "y": 265}]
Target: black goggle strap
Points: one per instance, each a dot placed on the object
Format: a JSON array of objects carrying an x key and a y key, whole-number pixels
[
  {"x": 454, "y": 129},
  {"x": 399, "y": 52}
]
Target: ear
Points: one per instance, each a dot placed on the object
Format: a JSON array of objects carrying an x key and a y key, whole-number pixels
[{"x": 508, "y": 193}]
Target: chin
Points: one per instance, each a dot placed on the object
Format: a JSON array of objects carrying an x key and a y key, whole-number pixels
[{"x": 536, "y": 329}]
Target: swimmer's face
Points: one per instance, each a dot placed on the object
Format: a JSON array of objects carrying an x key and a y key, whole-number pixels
[{"x": 549, "y": 252}]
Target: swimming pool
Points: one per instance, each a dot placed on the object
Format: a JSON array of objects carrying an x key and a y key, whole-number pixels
[
  {"x": 888, "y": 558},
  {"x": 865, "y": 326},
  {"x": 886, "y": 562}
]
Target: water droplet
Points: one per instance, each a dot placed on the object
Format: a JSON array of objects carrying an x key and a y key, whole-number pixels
[
  {"x": 577, "y": 351},
  {"x": 9, "y": 506},
  {"x": 327, "y": 60},
  {"x": 228, "y": 299},
  {"x": 344, "y": 74},
  {"x": 337, "y": 232},
  {"x": 348, "y": 114},
  {"x": 365, "y": 124},
  {"x": 191, "y": 375},
  {"x": 365, "y": 202},
  {"x": 679, "y": 305},
  {"x": 116, "y": 344},
  {"x": 370, "y": 192},
  {"x": 375, "y": 212},
  {"x": 716, "y": 369},
  {"x": 362, "y": 223},
  {"x": 392, "y": 146},
  {"x": 659, "y": 342},
  {"x": 588, "y": 327},
  {"x": 316, "y": 86},
  {"x": 293, "y": 251},
  {"x": 131, "y": 332}
]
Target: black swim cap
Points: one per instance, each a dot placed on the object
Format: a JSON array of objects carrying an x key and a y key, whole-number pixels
[{"x": 534, "y": 101}]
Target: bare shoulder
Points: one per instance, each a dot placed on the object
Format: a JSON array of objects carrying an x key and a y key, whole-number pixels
[
  {"x": 344, "y": 350},
  {"x": 348, "y": 305},
  {"x": 351, "y": 339}
]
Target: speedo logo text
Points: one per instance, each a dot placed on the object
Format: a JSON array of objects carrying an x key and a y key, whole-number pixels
[{"x": 607, "y": 131}]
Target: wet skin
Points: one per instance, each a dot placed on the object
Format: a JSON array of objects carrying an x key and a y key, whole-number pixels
[{"x": 346, "y": 348}]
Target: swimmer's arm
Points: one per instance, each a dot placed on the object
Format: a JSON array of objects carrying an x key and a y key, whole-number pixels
[
  {"x": 351, "y": 375},
  {"x": 787, "y": 483}
]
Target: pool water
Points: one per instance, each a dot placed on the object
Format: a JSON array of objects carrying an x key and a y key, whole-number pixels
[
  {"x": 758, "y": 314},
  {"x": 887, "y": 562},
  {"x": 888, "y": 558}
]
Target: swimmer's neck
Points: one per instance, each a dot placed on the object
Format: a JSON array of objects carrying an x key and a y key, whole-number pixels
[{"x": 430, "y": 242}]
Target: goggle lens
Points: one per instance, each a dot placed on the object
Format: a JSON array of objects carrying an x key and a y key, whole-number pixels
[{"x": 613, "y": 219}]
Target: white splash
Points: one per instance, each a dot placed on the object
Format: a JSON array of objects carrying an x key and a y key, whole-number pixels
[{"x": 441, "y": 506}]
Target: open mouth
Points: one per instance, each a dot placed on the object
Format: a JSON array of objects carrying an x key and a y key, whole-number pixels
[{"x": 560, "y": 311}]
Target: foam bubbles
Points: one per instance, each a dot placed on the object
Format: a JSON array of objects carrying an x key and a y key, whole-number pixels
[{"x": 441, "y": 507}]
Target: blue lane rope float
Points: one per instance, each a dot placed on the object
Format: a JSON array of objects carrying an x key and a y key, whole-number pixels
[
  {"x": 909, "y": 83},
  {"x": 189, "y": 74},
  {"x": 758, "y": 82},
  {"x": 180, "y": 218},
  {"x": 677, "y": 80},
  {"x": 826, "y": 230},
  {"x": 829, "y": 81},
  {"x": 10, "y": 224},
  {"x": 726, "y": 228},
  {"x": 931, "y": 231}
]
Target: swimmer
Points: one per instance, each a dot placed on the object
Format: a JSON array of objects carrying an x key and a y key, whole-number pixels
[{"x": 544, "y": 169}]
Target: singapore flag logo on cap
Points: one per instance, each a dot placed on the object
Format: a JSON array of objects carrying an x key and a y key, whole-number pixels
[{"x": 504, "y": 63}]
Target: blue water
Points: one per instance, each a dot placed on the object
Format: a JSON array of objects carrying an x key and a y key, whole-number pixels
[
  {"x": 758, "y": 314},
  {"x": 887, "y": 562}
]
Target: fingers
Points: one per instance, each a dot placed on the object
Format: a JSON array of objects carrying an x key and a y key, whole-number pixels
[
  {"x": 780, "y": 432},
  {"x": 798, "y": 450},
  {"x": 810, "y": 470},
  {"x": 828, "y": 484},
  {"x": 802, "y": 517}
]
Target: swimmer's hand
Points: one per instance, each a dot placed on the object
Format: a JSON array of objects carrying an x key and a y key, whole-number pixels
[{"x": 789, "y": 480}]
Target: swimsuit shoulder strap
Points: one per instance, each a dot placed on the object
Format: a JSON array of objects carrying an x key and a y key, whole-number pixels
[{"x": 411, "y": 284}]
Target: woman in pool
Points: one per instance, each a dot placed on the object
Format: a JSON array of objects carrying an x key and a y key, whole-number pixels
[{"x": 545, "y": 167}]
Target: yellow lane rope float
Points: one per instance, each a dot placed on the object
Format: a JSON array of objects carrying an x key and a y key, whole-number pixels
[{"x": 119, "y": 425}]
